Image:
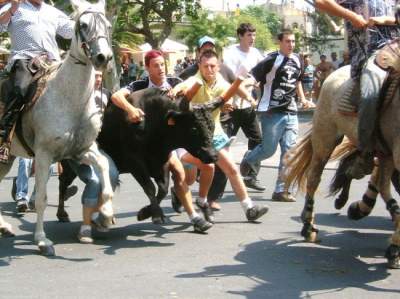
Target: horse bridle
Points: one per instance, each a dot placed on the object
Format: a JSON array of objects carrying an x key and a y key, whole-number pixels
[{"x": 88, "y": 38}]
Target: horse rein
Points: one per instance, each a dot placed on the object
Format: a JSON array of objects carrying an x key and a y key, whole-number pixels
[{"x": 85, "y": 38}]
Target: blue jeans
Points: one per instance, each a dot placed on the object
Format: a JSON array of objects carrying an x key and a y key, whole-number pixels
[
  {"x": 24, "y": 170},
  {"x": 277, "y": 128},
  {"x": 90, "y": 177}
]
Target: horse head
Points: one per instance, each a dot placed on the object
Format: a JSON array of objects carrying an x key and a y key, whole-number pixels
[{"x": 92, "y": 33}]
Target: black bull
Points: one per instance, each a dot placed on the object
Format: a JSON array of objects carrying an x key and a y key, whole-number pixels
[{"x": 142, "y": 149}]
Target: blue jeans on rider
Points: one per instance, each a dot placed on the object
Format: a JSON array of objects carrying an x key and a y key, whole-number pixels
[
  {"x": 24, "y": 170},
  {"x": 277, "y": 128},
  {"x": 90, "y": 176}
]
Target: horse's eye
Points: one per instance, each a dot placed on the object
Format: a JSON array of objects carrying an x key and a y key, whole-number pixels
[{"x": 84, "y": 26}]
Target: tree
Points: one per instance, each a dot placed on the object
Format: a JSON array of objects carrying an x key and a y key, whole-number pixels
[
  {"x": 223, "y": 29},
  {"x": 273, "y": 21}
]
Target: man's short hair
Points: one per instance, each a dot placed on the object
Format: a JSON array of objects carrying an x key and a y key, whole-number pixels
[
  {"x": 209, "y": 53},
  {"x": 323, "y": 56},
  {"x": 152, "y": 54},
  {"x": 245, "y": 27},
  {"x": 283, "y": 33}
]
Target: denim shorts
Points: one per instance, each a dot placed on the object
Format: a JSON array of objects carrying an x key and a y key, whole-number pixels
[{"x": 220, "y": 141}]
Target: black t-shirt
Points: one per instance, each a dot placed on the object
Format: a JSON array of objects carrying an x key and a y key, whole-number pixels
[
  {"x": 278, "y": 75},
  {"x": 142, "y": 84}
]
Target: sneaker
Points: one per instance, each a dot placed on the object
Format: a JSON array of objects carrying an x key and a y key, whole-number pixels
[
  {"x": 85, "y": 236},
  {"x": 283, "y": 197},
  {"x": 200, "y": 225},
  {"x": 206, "y": 210},
  {"x": 254, "y": 184},
  {"x": 252, "y": 214},
  {"x": 214, "y": 206},
  {"x": 22, "y": 205},
  {"x": 176, "y": 204}
]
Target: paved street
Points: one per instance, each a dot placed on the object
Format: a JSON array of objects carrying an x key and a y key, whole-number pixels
[{"x": 235, "y": 259}]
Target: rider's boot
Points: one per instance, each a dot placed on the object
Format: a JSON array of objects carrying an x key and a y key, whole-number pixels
[
  {"x": 6, "y": 125},
  {"x": 371, "y": 82}
]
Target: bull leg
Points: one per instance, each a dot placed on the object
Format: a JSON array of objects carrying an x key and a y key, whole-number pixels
[
  {"x": 101, "y": 164},
  {"x": 43, "y": 162},
  {"x": 65, "y": 180},
  {"x": 393, "y": 251},
  {"x": 153, "y": 210},
  {"x": 360, "y": 209}
]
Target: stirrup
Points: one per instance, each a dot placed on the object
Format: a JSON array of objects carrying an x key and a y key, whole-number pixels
[{"x": 5, "y": 152}]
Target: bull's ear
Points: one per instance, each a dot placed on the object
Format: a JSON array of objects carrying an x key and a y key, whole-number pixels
[{"x": 172, "y": 117}]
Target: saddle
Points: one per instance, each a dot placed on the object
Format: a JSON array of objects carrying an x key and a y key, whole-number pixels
[
  {"x": 42, "y": 69},
  {"x": 387, "y": 58}
]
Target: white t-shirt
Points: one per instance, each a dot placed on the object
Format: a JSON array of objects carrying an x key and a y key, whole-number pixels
[{"x": 234, "y": 58}]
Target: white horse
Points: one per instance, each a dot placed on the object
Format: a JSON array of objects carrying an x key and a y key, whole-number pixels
[{"x": 65, "y": 121}]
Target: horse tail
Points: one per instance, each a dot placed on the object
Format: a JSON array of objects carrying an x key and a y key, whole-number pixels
[
  {"x": 346, "y": 152},
  {"x": 297, "y": 162}
]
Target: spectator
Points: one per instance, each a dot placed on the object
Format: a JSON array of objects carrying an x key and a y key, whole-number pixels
[
  {"x": 178, "y": 67},
  {"x": 308, "y": 78},
  {"x": 132, "y": 71},
  {"x": 280, "y": 77},
  {"x": 335, "y": 62},
  {"x": 323, "y": 70},
  {"x": 346, "y": 59}
]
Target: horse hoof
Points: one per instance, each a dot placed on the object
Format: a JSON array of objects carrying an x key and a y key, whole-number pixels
[
  {"x": 312, "y": 238},
  {"x": 393, "y": 256},
  {"x": 105, "y": 221},
  {"x": 71, "y": 191},
  {"x": 158, "y": 220},
  {"x": 394, "y": 263},
  {"x": 47, "y": 250},
  {"x": 6, "y": 232},
  {"x": 354, "y": 212},
  {"x": 340, "y": 202},
  {"x": 144, "y": 213}
]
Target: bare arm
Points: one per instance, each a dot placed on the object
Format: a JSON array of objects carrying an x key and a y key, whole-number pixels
[
  {"x": 119, "y": 99},
  {"x": 332, "y": 8},
  {"x": 5, "y": 17},
  {"x": 300, "y": 93}
]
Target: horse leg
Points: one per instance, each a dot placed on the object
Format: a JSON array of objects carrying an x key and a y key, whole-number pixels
[
  {"x": 393, "y": 251},
  {"x": 5, "y": 227},
  {"x": 360, "y": 209},
  {"x": 65, "y": 180},
  {"x": 43, "y": 162},
  {"x": 101, "y": 164}
]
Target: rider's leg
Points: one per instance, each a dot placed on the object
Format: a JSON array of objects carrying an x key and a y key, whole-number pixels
[{"x": 371, "y": 82}]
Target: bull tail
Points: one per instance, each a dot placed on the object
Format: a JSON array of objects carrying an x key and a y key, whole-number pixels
[{"x": 297, "y": 162}]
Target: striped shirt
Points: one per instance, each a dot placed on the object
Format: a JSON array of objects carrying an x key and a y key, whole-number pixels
[{"x": 33, "y": 30}]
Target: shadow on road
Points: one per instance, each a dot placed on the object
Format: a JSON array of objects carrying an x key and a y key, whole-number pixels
[{"x": 284, "y": 268}]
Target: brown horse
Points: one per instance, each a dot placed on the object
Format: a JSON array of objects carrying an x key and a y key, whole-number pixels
[{"x": 307, "y": 160}]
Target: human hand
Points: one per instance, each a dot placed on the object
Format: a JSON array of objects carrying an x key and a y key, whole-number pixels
[
  {"x": 15, "y": 5},
  {"x": 358, "y": 21},
  {"x": 227, "y": 107},
  {"x": 307, "y": 104},
  {"x": 380, "y": 21},
  {"x": 135, "y": 115}
]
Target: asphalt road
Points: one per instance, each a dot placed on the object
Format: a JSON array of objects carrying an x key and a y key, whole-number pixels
[{"x": 235, "y": 259}]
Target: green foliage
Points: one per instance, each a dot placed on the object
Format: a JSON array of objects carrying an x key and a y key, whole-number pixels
[{"x": 223, "y": 27}]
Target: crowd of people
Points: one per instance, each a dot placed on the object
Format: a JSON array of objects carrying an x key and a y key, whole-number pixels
[{"x": 265, "y": 107}]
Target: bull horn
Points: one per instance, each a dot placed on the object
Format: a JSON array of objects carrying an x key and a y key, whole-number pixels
[{"x": 191, "y": 92}]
